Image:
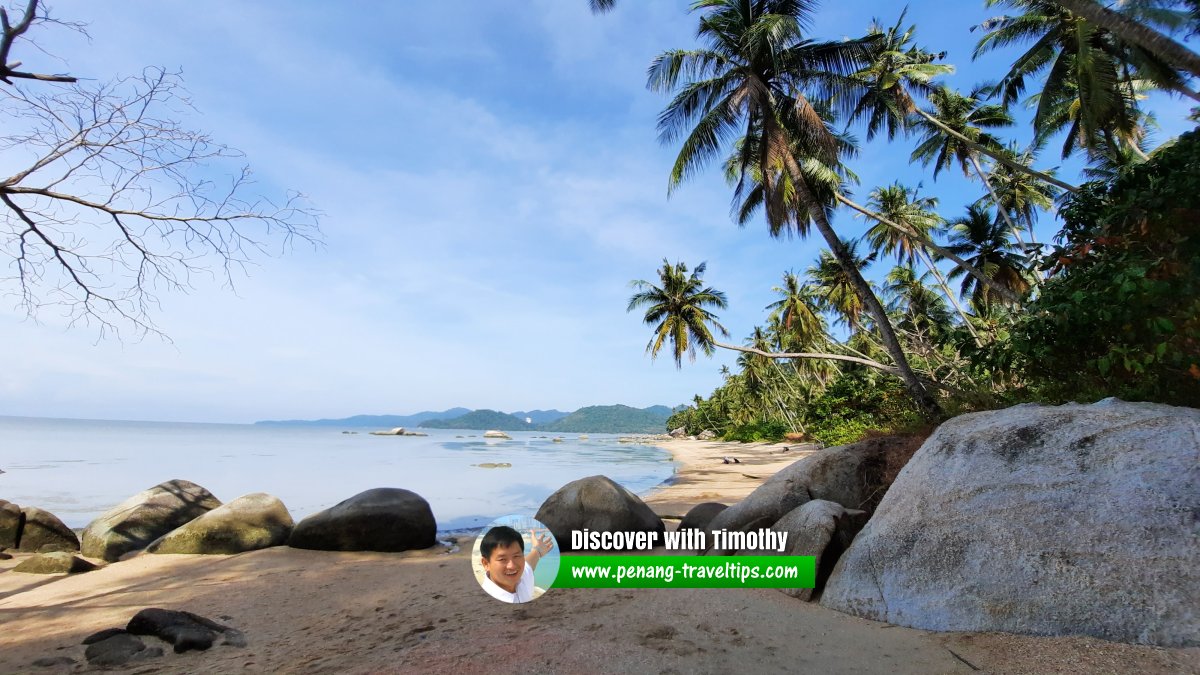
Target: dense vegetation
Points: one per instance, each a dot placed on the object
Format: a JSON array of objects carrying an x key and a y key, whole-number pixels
[
  {"x": 611, "y": 419},
  {"x": 480, "y": 419},
  {"x": 933, "y": 311}
]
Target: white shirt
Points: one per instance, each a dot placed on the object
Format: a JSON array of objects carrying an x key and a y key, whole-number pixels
[{"x": 524, "y": 591}]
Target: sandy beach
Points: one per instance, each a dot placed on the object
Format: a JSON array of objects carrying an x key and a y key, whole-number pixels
[{"x": 421, "y": 611}]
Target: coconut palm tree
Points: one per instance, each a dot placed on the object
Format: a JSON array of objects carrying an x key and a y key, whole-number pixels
[
  {"x": 984, "y": 241},
  {"x": 969, "y": 116},
  {"x": 1083, "y": 62},
  {"x": 834, "y": 289},
  {"x": 756, "y": 78},
  {"x": 923, "y": 309},
  {"x": 678, "y": 310},
  {"x": 898, "y": 72},
  {"x": 904, "y": 206},
  {"x": 1018, "y": 193},
  {"x": 799, "y": 318},
  {"x": 1134, "y": 32}
]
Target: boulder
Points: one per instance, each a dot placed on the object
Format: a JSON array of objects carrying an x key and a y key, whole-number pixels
[
  {"x": 679, "y": 432},
  {"x": 1067, "y": 520},
  {"x": 119, "y": 650},
  {"x": 245, "y": 524},
  {"x": 382, "y": 519},
  {"x": 11, "y": 521},
  {"x": 850, "y": 475},
  {"x": 495, "y": 434},
  {"x": 137, "y": 521},
  {"x": 822, "y": 529},
  {"x": 707, "y": 435},
  {"x": 700, "y": 515},
  {"x": 598, "y": 504},
  {"x": 57, "y": 562},
  {"x": 43, "y": 532}
]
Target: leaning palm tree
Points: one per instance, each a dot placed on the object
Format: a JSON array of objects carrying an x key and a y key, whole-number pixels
[
  {"x": 1134, "y": 32},
  {"x": 983, "y": 239},
  {"x": 755, "y": 78},
  {"x": 898, "y": 73},
  {"x": 1083, "y": 62},
  {"x": 799, "y": 318},
  {"x": 834, "y": 289},
  {"x": 969, "y": 116},
  {"x": 678, "y": 310},
  {"x": 1018, "y": 194},
  {"x": 902, "y": 205}
]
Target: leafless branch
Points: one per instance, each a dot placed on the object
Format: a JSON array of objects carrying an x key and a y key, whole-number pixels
[
  {"x": 115, "y": 201},
  {"x": 8, "y": 69}
]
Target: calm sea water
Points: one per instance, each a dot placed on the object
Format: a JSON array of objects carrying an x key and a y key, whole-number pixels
[{"x": 77, "y": 469}]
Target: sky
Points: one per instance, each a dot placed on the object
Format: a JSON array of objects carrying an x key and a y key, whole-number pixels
[{"x": 490, "y": 181}]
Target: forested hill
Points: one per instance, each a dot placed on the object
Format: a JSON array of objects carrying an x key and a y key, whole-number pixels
[
  {"x": 613, "y": 419},
  {"x": 480, "y": 419}
]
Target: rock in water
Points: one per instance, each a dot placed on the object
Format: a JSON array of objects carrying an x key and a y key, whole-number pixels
[
  {"x": 496, "y": 434},
  {"x": 57, "y": 562},
  {"x": 382, "y": 519},
  {"x": 598, "y": 504},
  {"x": 245, "y": 524},
  {"x": 1068, "y": 520},
  {"x": 11, "y": 520},
  {"x": 144, "y": 517},
  {"x": 846, "y": 475},
  {"x": 44, "y": 532}
]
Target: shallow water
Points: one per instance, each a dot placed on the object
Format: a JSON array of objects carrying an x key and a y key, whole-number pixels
[{"x": 77, "y": 469}]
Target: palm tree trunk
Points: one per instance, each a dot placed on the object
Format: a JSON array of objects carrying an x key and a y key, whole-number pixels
[
  {"x": 949, "y": 294},
  {"x": 996, "y": 198},
  {"x": 998, "y": 156},
  {"x": 1137, "y": 33},
  {"x": 796, "y": 425},
  {"x": 925, "y": 401},
  {"x": 966, "y": 266}
]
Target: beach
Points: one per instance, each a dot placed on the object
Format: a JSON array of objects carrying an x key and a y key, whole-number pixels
[{"x": 421, "y": 611}]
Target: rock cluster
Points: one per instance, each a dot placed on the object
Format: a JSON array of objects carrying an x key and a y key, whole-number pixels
[{"x": 34, "y": 530}]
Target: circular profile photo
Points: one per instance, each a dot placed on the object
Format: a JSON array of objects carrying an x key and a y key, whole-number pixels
[{"x": 515, "y": 559}]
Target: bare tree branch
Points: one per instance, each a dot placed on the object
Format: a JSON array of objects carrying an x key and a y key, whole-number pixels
[
  {"x": 11, "y": 33},
  {"x": 115, "y": 201}
]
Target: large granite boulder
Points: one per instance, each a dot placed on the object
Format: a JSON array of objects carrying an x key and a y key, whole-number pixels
[
  {"x": 144, "y": 517},
  {"x": 1076, "y": 519},
  {"x": 850, "y": 475},
  {"x": 822, "y": 529},
  {"x": 44, "y": 532},
  {"x": 245, "y": 524},
  {"x": 597, "y": 504},
  {"x": 382, "y": 519},
  {"x": 57, "y": 562},
  {"x": 11, "y": 520}
]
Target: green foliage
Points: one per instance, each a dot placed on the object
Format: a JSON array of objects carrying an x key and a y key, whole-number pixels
[
  {"x": 859, "y": 401},
  {"x": 1120, "y": 315},
  {"x": 480, "y": 419},
  {"x": 759, "y": 431},
  {"x": 610, "y": 419}
]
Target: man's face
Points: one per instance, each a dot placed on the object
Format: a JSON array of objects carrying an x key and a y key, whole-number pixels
[{"x": 505, "y": 566}]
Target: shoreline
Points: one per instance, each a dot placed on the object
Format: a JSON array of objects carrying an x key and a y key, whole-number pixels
[{"x": 421, "y": 611}]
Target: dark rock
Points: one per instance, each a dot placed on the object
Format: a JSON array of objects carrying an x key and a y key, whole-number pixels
[
  {"x": 247, "y": 523},
  {"x": 43, "y": 532},
  {"x": 5, "y": 556},
  {"x": 57, "y": 562},
  {"x": 597, "y": 504},
  {"x": 701, "y": 515},
  {"x": 119, "y": 650},
  {"x": 52, "y": 661},
  {"x": 184, "y": 630},
  {"x": 1040, "y": 520},
  {"x": 187, "y": 638},
  {"x": 103, "y": 635},
  {"x": 137, "y": 521},
  {"x": 382, "y": 519},
  {"x": 11, "y": 521}
]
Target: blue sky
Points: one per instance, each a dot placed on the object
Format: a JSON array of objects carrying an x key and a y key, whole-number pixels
[{"x": 490, "y": 182}]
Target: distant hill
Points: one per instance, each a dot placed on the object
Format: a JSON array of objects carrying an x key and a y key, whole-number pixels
[
  {"x": 480, "y": 419},
  {"x": 540, "y": 416},
  {"x": 613, "y": 419},
  {"x": 379, "y": 421}
]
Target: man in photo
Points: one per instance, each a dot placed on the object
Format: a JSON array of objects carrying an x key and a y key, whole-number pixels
[{"x": 508, "y": 572}]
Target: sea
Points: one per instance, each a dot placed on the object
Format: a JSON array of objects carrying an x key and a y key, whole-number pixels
[{"x": 78, "y": 469}]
